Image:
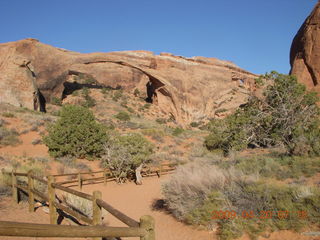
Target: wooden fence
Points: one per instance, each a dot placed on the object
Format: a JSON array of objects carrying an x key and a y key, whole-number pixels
[
  {"x": 81, "y": 177},
  {"x": 143, "y": 229}
]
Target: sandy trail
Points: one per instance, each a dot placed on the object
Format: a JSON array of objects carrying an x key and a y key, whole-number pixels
[{"x": 136, "y": 201}]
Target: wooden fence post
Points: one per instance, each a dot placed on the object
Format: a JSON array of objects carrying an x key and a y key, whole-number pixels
[
  {"x": 52, "y": 198},
  {"x": 15, "y": 193},
  {"x": 30, "y": 193},
  {"x": 104, "y": 176},
  {"x": 147, "y": 223},
  {"x": 79, "y": 181},
  {"x": 96, "y": 210}
]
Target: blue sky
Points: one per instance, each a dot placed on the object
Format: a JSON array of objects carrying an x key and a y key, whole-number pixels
[{"x": 254, "y": 34}]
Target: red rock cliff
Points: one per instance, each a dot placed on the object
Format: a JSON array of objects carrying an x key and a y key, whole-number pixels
[
  {"x": 305, "y": 51},
  {"x": 189, "y": 89}
]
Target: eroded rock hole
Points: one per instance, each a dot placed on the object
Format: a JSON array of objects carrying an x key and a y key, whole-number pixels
[{"x": 77, "y": 81}]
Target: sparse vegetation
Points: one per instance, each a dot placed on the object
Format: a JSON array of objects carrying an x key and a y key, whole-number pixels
[
  {"x": 117, "y": 95},
  {"x": 198, "y": 191},
  {"x": 8, "y": 136},
  {"x": 280, "y": 167},
  {"x": 161, "y": 120},
  {"x": 123, "y": 116},
  {"x": 8, "y": 115},
  {"x": 156, "y": 134}
]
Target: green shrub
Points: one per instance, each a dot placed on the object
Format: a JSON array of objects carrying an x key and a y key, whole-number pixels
[
  {"x": 194, "y": 124},
  {"x": 287, "y": 116},
  {"x": 76, "y": 133},
  {"x": 177, "y": 131},
  {"x": 123, "y": 154},
  {"x": 123, "y": 116}
]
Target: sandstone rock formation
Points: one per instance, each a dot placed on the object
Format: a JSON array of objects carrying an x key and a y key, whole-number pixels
[
  {"x": 305, "y": 51},
  {"x": 188, "y": 89}
]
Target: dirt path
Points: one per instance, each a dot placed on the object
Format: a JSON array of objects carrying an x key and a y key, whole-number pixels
[{"x": 136, "y": 200}]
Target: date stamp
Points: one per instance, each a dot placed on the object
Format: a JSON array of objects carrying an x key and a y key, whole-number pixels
[{"x": 226, "y": 214}]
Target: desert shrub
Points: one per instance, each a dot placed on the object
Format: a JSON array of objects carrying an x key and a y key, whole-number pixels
[
  {"x": 56, "y": 101},
  {"x": 8, "y": 136},
  {"x": 161, "y": 120},
  {"x": 136, "y": 92},
  {"x": 89, "y": 101},
  {"x": 279, "y": 167},
  {"x": 117, "y": 95},
  {"x": 177, "y": 131},
  {"x": 131, "y": 110},
  {"x": 124, "y": 153},
  {"x": 123, "y": 116},
  {"x": 8, "y": 114},
  {"x": 196, "y": 124},
  {"x": 189, "y": 187},
  {"x": 155, "y": 134},
  {"x": 76, "y": 133},
  {"x": 195, "y": 193},
  {"x": 287, "y": 116},
  {"x": 147, "y": 106}
]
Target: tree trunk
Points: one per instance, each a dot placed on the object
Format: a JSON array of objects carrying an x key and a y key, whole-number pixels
[{"x": 138, "y": 175}]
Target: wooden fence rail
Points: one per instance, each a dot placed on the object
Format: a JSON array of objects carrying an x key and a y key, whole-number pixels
[
  {"x": 143, "y": 229},
  {"x": 49, "y": 230}
]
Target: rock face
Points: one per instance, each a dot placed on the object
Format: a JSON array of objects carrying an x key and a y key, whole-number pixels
[
  {"x": 305, "y": 51},
  {"x": 188, "y": 89}
]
